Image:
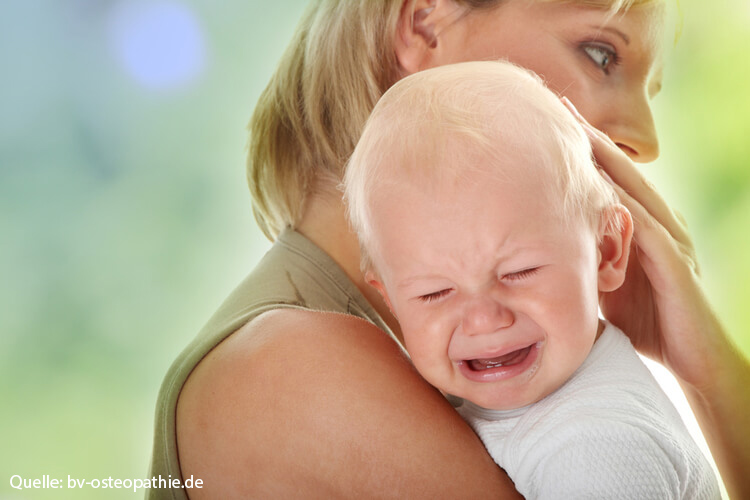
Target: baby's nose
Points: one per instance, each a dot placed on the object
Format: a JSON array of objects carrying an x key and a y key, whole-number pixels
[{"x": 485, "y": 315}]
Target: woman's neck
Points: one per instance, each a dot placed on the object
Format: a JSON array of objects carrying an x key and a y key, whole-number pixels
[{"x": 325, "y": 224}]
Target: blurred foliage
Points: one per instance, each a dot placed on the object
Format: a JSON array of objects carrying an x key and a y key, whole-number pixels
[
  {"x": 125, "y": 218},
  {"x": 703, "y": 116}
]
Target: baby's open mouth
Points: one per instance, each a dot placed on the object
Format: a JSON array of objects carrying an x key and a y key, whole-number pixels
[{"x": 509, "y": 359}]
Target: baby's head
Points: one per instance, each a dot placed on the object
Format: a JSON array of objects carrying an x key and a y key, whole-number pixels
[{"x": 487, "y": 228}]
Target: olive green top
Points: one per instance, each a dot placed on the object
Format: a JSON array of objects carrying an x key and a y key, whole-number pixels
[{"x": 294, "y": 273}]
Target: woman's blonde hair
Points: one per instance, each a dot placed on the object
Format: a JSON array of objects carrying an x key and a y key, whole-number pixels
[{"x": 310, "y": 116}]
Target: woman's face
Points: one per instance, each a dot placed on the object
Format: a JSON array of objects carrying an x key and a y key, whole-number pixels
[{"x": 609, "y": 66}]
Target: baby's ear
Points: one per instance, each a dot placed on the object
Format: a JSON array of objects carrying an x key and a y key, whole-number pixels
[
  {"x": 373, "y": 280},
  {"x": 614, "y": 248}
]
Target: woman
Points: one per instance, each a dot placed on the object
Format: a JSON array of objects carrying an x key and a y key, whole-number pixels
[{"x": 285, "y": 396}]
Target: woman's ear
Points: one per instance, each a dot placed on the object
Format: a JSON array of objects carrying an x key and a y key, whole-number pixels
[
  {"x": 416, "y": 37},
  {"x": 614, "y": 249}
]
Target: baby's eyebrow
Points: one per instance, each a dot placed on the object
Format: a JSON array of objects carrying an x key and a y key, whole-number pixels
[{"x": 409, "y": 281}]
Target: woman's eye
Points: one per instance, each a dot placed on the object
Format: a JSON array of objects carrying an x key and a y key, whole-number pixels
[
  {"x": 430, "y": 297},
  {"x": 519, "y": 275},
  {"x": 602, "y": 56}
]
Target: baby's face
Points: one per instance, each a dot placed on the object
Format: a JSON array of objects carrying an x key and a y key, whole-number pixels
[{"x": 496, "y": 296}]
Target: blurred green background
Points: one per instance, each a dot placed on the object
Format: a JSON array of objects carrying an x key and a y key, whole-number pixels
[{"x": 125, "y": 218}]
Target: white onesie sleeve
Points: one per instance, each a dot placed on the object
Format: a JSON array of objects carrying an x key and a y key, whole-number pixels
[
  {"x": 604, "y": 460},
  {"x": 608, "y": 433}
]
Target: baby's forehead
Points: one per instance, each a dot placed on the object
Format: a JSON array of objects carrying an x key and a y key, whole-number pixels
[
  {"x": 451, "y": 121},
  {"x": 441, "y": 157}
]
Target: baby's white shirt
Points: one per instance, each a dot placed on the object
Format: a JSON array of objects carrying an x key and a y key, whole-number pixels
[{"x": 608, "y": 433}]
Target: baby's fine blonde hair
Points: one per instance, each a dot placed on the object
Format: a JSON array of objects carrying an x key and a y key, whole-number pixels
[
  {"x": 310, "y": 116},
  {"x": 450, "y": 123}
]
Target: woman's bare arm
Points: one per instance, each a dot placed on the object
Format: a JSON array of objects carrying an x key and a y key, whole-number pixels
[
  {"x": 306, "y": 404},
  {"x": 664, "y": 311}
]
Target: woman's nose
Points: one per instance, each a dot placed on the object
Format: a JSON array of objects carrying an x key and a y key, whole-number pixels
[
  {"x": 485, "y": 315},
  {"x": 632, "y": 128}
]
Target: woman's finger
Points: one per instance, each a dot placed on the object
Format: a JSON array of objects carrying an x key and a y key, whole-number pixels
[
  {"x": 627, "y": 176},
  {"x": 624, "y": 173},
  {"x": 650, "y": 236}
]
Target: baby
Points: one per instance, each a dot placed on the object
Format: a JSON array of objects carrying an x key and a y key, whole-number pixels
[{"x": 488, "y": 230}]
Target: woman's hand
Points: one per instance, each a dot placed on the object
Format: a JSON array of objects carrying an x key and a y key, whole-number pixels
[
  {"x": 663, "y": 309},
  {"x": 661, "y": 306}
]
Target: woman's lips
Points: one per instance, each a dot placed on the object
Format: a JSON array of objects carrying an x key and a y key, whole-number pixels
[{"x": 502, "y": 367}]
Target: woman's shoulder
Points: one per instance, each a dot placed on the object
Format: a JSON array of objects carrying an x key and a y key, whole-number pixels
[
  {"x": 283, "y": 344},
  {"x": 298, "y": 400},
  {"x": 295, "y": 334},
  {"x": 285, "y": 341}
]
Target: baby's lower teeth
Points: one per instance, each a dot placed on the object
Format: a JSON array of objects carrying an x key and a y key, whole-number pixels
[
  {"x": 486, "y": 364},
  {"x": 507, "y": 360}
]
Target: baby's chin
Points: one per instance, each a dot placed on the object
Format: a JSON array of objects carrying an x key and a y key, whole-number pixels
[
  {"x": 518, "y": 397},
  {"x": 509, "y": 402}
]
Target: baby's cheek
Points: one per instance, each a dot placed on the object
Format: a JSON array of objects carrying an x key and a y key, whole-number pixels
[
  {"x": 573, "y": 350},
  {"x": 427, "y": 346},
  {"x": 435, "y": 369}
]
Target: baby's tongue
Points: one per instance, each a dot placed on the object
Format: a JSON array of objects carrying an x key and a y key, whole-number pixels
[{"x": 505, "y": 360}]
